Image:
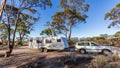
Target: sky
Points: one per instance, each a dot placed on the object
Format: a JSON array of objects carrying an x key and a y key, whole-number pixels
[{"x": 94, "y": 26}]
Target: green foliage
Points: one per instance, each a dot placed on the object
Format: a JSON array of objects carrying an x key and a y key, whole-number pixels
[
  {"x": 19, "y": 43},
  {"x": 11, "y": 8},
  {"x": 105, "y": 39},
  {"x": 117, "y": 34},
  {"x": 31, "y": 10},
  {"x": 2, "y": 26},
  {"x": 46, "y": 32},
  {"x": 36, "y": 3},
  {"x": 107, "y": 15},
  {"x": 14, "y": 15},
  {"x": 72, "y": 42},
  {"x": 114, "y": 16},
  {"x": 73, "y": 13}
]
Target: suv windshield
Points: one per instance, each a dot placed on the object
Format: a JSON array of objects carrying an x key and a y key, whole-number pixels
[{"x": 83, "y": 44}]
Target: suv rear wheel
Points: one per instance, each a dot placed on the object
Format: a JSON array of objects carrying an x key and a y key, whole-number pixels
[{"x": 82, "y": 51}]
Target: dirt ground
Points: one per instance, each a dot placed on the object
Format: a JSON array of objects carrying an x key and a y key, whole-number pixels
[{"x": 23, "y": 57}]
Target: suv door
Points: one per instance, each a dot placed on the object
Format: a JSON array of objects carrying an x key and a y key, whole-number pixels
[
  {"x": 88, "y": 47},
  {"x": 95, "y": 47}
]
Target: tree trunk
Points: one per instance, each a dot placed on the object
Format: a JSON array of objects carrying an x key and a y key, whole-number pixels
[
  {"x": 11, "y": 46},
  {"x": 69, "y": 33},
  {"x": 20, "y": 39},
  {"x": 13, "y": 40},
  {"x": 21, "y": 34},
  {"x": 21, "y": 42},
  {"x": 2, "y": 7},
  {"x": 7, "y": 54},
  {"x": 53, "y": 34}
]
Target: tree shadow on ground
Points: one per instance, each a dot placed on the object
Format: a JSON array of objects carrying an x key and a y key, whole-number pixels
[
  {"x": 1, "y": 55},
  {"x": 58, "y": 62},
  {"x": 19, "y": 59}
]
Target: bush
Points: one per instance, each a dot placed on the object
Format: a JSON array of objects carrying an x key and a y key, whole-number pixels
[
  {"x": 114, "y": 57},
  {"x": 98, "y": 62},
  {"x": 72, "y": 43},
  {"x": 70, "y": 58},
  {"x": 111, "y": 66},
  {"x": 104, "y": 61}
]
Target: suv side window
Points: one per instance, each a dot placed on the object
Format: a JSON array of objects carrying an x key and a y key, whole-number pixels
[
  {"x": 86, "y": 44},
  {"x": 83, "y": 44},
  {"x": 93, "y": 44},
  {"x": 80, "y": 44}
]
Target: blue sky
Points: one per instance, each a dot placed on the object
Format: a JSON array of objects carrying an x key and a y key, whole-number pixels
[{"x": 95, "y": 25}]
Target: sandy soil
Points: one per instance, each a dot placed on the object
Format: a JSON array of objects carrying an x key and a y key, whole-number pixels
[{"x": 23, "y": 56}]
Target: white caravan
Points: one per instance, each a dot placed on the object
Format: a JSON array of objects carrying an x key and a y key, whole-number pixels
[{"x": 48, "y": 43}]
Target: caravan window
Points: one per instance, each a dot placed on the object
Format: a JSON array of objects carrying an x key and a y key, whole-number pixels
[
  {"x": 39, "y": 41},
  {"x": 48, "y": 41},
  {"x": 58, "y": 40},
  {"x": 31, "y": 40}
]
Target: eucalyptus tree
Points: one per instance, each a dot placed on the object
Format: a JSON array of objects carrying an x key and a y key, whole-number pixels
[
  {"x": 114, "y": 16},
  {"x": 25, "y": 25},
  {"x": 54, "y": 28},
  {"x": 13, "y": 12},
  {"x": 74, "y": 11},
  {"x": 50, "y": 29}
]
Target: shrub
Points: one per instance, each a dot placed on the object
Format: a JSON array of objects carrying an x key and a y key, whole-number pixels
[
  {"x": 111, "y": 66},
  {"x": 72, "y": 42},
  {"x": 115, "y": 57},
  {"x": 70, "y": 58},
  {"x": 104, "y": 61},
  {"x": 98, "y": 62}
]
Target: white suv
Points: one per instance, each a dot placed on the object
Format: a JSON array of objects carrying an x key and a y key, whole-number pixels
[{"x": 84, "y": 47}]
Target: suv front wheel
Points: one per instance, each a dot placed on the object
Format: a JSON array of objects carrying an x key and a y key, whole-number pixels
[
  {"x": 82, "y": 51},
  {"x": 106, "y": 52}
]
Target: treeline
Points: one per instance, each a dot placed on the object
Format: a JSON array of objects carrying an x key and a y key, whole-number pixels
[{"x": 103, "y": 39}]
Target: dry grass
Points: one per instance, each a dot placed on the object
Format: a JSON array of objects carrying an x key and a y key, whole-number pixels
[{"x": 105, "y": 61}]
